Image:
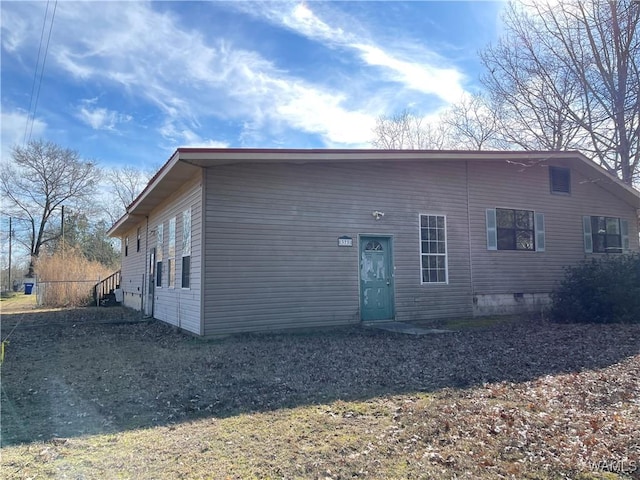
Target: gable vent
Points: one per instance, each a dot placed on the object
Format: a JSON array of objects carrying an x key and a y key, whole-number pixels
[{"x": 560, "y": 180}]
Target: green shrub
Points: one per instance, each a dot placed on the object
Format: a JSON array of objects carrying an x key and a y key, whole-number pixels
[{"x": 599, "y": 291}]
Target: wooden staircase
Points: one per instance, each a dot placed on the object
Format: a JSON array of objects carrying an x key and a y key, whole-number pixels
[{"x": 104, "y": 291}]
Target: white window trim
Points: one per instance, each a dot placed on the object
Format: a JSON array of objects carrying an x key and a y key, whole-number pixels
[{"x": 446, "y": 248}]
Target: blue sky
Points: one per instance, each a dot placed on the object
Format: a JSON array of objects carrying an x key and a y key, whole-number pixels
[{"x": 126, "y": 83}]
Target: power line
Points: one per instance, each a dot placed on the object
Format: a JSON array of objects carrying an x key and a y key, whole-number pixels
[
  {"x": 35, "y": 75},
  {"x": 32, "y": 116},
  {"x": 44, "y": 59}
]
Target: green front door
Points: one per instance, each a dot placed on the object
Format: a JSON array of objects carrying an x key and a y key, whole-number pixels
[{"x": 376, "y": 279}]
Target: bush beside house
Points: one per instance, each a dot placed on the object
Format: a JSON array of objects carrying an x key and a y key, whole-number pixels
[{"x": 605, "y": 290}]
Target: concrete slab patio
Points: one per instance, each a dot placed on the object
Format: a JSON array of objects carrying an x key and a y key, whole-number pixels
[{"x": 406, "y": 328}]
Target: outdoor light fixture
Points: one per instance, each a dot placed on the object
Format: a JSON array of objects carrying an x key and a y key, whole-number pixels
[{"x": 377, "y": 214}]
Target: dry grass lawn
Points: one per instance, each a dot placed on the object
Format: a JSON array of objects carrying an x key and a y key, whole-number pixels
[{"x": 94, "y": 393}]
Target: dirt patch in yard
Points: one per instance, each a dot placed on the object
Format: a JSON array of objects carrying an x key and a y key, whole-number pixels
[{"x": 536, "y": 398}]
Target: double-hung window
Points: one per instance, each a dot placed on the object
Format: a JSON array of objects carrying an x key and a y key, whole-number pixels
[
  {"x": 605, "y": 234},
  {"x": 433, "y": 248},
  {"x": 159, "y": 248},
  {"x": 512, "y": 229},
  {"x": 186, "y": 248},
  {"x": 171, "y": 258}
]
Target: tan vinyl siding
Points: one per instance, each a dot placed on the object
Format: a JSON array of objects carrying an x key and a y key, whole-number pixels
[
  {"x": 526, "y": 187},
  {"x": 176, "y": 305},
  {"x": 272, "y": 259},
  {"x": 133, "y": 268}
]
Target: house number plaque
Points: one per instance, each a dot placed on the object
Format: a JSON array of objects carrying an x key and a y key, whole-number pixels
[{"x": 345, "y": 241}]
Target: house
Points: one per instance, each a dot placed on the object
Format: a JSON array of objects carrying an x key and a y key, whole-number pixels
[{"x": 235, "y": 240}]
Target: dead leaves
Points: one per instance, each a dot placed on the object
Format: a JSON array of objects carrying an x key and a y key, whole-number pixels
[{"x": 511, "y": 401}]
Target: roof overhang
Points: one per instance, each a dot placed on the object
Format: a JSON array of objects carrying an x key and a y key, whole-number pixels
[
  {"x": 167, "y": 180},
  {"x": 186, "y": 162}
]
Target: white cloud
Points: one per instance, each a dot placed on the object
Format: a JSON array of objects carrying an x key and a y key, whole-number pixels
[
  {"x": 179, "y": 135},
  {"x": 100, "y": 118},
  {"x": 443, "y": 82},
  {"x": 311, "y": 111},
  {"x": 14, "y": 29},
  {"x": 419, "y": 69},
  {"x": 189, "y": 78},
  {"x": 192, "y": 76},
  {"x": 66, "y": 60},
  {"x": 208, "y": 143},
  {"x": 13, "y": 130},
  {"x": 303, "y": 20}
]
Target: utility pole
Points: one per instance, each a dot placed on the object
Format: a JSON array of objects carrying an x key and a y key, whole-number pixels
[
  {"x": 10, "y": 235},
  {"x": 62, "y": 227}
]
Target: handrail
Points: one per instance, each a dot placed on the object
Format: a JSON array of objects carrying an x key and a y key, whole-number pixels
[{"x": 107, "y": 286}]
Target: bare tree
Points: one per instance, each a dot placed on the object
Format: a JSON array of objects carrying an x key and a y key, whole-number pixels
[
  {"x": 529, "y": 116},
  {"x": 125, "y": 183},
  {"x": 41, "y": 178},
  {"x": 472, "y": 123},
  {"x": 406, "y": 131},
  {"x": 566, "y": 75}
]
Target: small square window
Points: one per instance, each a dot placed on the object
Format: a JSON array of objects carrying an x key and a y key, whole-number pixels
[{"x": 560, "y": 180}]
